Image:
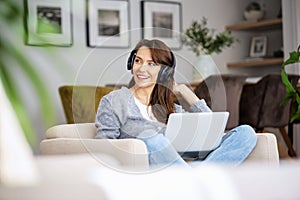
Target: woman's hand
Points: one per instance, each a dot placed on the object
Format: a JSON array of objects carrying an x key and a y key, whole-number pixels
[
  {"x": 185, "y": 92},
  {"x": 176, "y": 88}
]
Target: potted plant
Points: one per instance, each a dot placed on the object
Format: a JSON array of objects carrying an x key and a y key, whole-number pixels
[
  {"x": 291, "y": 92},
  {"x": 10, "y": 15},
  {"x": 203, "y": 42}
]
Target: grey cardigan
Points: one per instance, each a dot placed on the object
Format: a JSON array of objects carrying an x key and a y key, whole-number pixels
[{"x": 119, "y": 117}]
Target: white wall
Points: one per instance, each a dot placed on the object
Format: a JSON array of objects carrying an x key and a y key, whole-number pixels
[{"x": 80, "y": 64}]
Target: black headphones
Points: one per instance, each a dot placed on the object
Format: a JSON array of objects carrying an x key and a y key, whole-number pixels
[{"x": 165, "y": 72}]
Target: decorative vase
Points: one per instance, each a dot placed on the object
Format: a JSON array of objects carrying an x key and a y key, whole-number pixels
[
  {"x": 204, "y": 67},
  {"x": 253, "y": 15}
]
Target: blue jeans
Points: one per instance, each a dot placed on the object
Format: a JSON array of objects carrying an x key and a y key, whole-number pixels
[{"x": 235, "y": 146}]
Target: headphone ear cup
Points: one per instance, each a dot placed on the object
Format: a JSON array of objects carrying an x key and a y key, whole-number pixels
[
  {"x": 173, "y": 60},
  {"x": 165, "y": 74},
  {"x": 131, "y": 60}
]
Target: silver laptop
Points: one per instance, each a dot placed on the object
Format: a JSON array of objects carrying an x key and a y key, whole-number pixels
[{"x": 196, "y": 132}]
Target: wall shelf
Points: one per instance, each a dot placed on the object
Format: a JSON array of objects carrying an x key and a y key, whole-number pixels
[
  {"x": 263, "y": 25},
  {"x": 253, "y": 63},
  {"x": 255, "y": 26}
]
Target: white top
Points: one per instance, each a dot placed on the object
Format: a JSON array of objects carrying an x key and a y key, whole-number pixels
[{"x": 146, "y": 111}]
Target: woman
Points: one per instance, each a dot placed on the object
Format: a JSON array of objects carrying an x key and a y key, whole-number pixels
[{"x": 142, "y": 111}]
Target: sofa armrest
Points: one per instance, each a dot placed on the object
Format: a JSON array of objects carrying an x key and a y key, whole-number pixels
[
  {"x": 78, "y": 138},
  {"x": 129, "y": 152},
  {"x": 80, "y": 130},
  {"x": 266, "y": 150}
]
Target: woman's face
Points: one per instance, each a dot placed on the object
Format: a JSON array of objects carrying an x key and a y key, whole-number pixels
[{"x": 145, "y": 71}]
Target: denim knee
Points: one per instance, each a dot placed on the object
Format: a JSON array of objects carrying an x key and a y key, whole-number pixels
[
  {"x": 155, "y": 142},
  {"x": 247, "y": 135},
  {"x": 160, "y": 150}
]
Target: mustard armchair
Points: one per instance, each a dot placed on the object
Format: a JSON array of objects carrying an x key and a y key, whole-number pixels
[{"x": 80, "y": 102}]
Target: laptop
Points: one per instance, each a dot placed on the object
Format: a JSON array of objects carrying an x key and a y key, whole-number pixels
[{"x": 194, "y": 133}]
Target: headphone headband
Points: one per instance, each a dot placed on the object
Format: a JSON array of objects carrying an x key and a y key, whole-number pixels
[{"x": 133, "y": 54}]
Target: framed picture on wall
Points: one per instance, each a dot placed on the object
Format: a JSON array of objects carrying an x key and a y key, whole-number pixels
[
  {"x": 107, "y": 23},
  {"x": 162, "y": 20},
  {"x": 48, "y": 22},
  {"x": 258, "y": 46}
]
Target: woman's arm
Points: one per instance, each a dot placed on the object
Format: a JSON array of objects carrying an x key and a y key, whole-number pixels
[
  {"x": 196, "y": 105},
  {"x": 186, "y": 93},
  {"x": 107, "y": 123}
]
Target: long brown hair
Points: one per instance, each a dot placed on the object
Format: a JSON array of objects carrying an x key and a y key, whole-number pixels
[{"x": 161, "y": 98}]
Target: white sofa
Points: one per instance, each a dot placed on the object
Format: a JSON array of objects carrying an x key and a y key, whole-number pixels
[
  {"x": 79, "y": 138},
  {"x": 80, "y": 176}
]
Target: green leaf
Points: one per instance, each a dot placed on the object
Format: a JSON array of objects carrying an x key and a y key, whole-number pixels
[
  {"x": 292, "y": 93},
  {"x": 203, "y": 40},
  {"x": 47, "y": 107},
  {"x": 286, "y": 82},
  {"x": 11, "y": 13},
  {"x": 294, "y": 58},
  {"x": 287, "y": 98},
  {"x": 296, "y": 115}
]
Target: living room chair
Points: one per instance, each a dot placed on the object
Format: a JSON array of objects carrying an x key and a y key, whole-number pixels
[
  {"x": 222, "y": 93},
  {"x": 78, "y": 138},
  {"x": 260, "y": 106}
]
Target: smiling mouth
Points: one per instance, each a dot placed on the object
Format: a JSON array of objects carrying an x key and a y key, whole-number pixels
[{"x": 142, "y": 77}]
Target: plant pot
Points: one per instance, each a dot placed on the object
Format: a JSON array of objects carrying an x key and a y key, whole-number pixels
[
  {"x": 204, "y": 67},
  {"x": 253, "y": 15}
]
